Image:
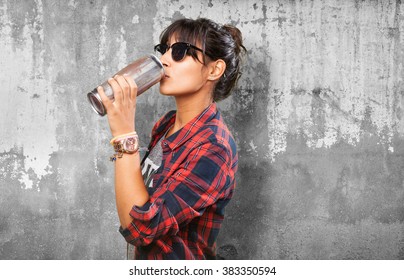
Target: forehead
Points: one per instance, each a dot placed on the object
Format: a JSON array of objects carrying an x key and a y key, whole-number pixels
[{"x": 181, "y": 34}]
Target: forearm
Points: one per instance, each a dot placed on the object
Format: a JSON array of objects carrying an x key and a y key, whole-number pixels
[{"x": 130, "y": 189}]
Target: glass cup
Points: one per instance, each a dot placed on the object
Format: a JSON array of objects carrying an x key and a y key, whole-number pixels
[{"x": 146, "y": 71}]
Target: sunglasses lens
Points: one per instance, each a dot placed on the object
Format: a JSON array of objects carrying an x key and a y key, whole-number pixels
[
  {"x": 178, "y": 51},
  {"x": 161, "y": 48}
]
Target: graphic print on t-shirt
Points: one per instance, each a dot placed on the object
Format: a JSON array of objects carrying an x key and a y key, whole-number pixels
[{"x": 148, "y": 170}]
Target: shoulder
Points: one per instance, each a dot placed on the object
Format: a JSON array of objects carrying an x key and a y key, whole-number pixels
[{"x": 215, "y": 133}]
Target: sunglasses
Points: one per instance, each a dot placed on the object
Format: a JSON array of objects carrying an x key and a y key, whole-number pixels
[{"x": 178, "y": 50}]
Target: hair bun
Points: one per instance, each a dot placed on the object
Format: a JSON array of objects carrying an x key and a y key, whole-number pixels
[{"x": 237, "y": 37}]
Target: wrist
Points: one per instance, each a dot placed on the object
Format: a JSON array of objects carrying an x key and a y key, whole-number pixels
[{"x": 120, "y": 132}]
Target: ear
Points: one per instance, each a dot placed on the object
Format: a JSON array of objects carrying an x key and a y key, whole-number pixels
[{"x": 216, "y": 69}]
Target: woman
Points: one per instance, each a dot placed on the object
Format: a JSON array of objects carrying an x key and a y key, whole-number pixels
[{"x": 192, "y": 152}]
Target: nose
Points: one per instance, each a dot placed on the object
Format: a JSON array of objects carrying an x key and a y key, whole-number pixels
[{"x": 165, "y": 58}]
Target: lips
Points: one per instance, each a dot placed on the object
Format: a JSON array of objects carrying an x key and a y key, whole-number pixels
[{"x": 165, "y": 77}]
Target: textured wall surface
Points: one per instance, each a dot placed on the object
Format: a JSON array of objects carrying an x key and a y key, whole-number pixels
[{"x": 318, "y": 120}]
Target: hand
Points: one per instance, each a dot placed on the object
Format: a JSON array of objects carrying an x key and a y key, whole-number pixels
[{"x": 121, "y": 111}]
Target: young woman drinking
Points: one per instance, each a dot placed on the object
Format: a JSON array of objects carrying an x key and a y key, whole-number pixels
[{"x": 176, "y": 211}]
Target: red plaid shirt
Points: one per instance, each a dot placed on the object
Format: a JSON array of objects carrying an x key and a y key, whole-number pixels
[{"x": 190, "y": 190}]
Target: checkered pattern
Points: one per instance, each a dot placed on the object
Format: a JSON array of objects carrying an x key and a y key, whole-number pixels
[{"x": 190, "y": 190}]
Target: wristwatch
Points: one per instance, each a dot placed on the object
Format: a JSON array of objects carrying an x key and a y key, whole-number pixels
[{"x": 128, "y": 144}]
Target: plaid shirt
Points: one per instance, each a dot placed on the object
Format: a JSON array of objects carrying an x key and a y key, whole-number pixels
[{"x": 190, "y": 190}]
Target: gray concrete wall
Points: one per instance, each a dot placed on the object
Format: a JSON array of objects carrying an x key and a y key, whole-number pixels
[{"x": 317, "y": 118}]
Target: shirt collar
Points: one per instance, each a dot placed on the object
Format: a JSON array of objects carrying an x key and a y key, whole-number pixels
[{"x": 184, "y": 134}]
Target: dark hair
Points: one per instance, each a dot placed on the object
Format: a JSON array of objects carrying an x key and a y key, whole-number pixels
[{"x": 217, "y": 41}]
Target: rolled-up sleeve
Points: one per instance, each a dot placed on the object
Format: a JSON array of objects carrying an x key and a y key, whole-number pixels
[{"x": 198, "y": 183}]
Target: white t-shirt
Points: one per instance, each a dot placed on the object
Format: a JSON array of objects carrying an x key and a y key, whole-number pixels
[{"x": 152, "y": 163}]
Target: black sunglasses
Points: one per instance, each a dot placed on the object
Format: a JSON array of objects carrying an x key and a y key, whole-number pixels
[{"x": 178, "y": 50}]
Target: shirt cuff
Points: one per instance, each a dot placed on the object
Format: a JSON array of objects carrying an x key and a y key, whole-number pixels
[{"x": 142, "y": 215}]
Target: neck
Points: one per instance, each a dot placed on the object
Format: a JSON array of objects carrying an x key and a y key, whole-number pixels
[{"x": 187, "y": 109}]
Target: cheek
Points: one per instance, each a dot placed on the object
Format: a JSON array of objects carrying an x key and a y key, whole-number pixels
[
  {"x": 184, "y": 79},
  {"x": 181, "y": 84},
  {"x": 186, "y": 76}
]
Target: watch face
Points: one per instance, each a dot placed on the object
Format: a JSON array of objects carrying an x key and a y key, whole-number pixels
[{"x": 130, "y": 144}]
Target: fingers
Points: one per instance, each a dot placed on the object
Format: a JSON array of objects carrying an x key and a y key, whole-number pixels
[
  {"x": 116, "y": 88},
  {"x": 124, "y": 87},
  {"x": 125, "y": 91},
  {"x": 133, "y": 87}
]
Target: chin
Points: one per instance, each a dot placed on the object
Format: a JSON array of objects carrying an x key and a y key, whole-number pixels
[
  {"x": 167, "y": 93},
  {"x": 164, "y": 92}
]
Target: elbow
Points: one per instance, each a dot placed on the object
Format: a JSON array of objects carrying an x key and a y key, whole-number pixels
[
  {"x": 141, "y": 241},
  {"x": 125, "y": 217},
  {"x": 143, "y": 225},
  {"x": 126, "y": 222},
  {"x": 140, "y": 235},
  {"x": 135, "y": 236}
]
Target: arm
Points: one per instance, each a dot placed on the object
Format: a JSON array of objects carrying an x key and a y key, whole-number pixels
[
  {"x": 129, "y": 186},
  {"x": 130, "y": 189}
]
